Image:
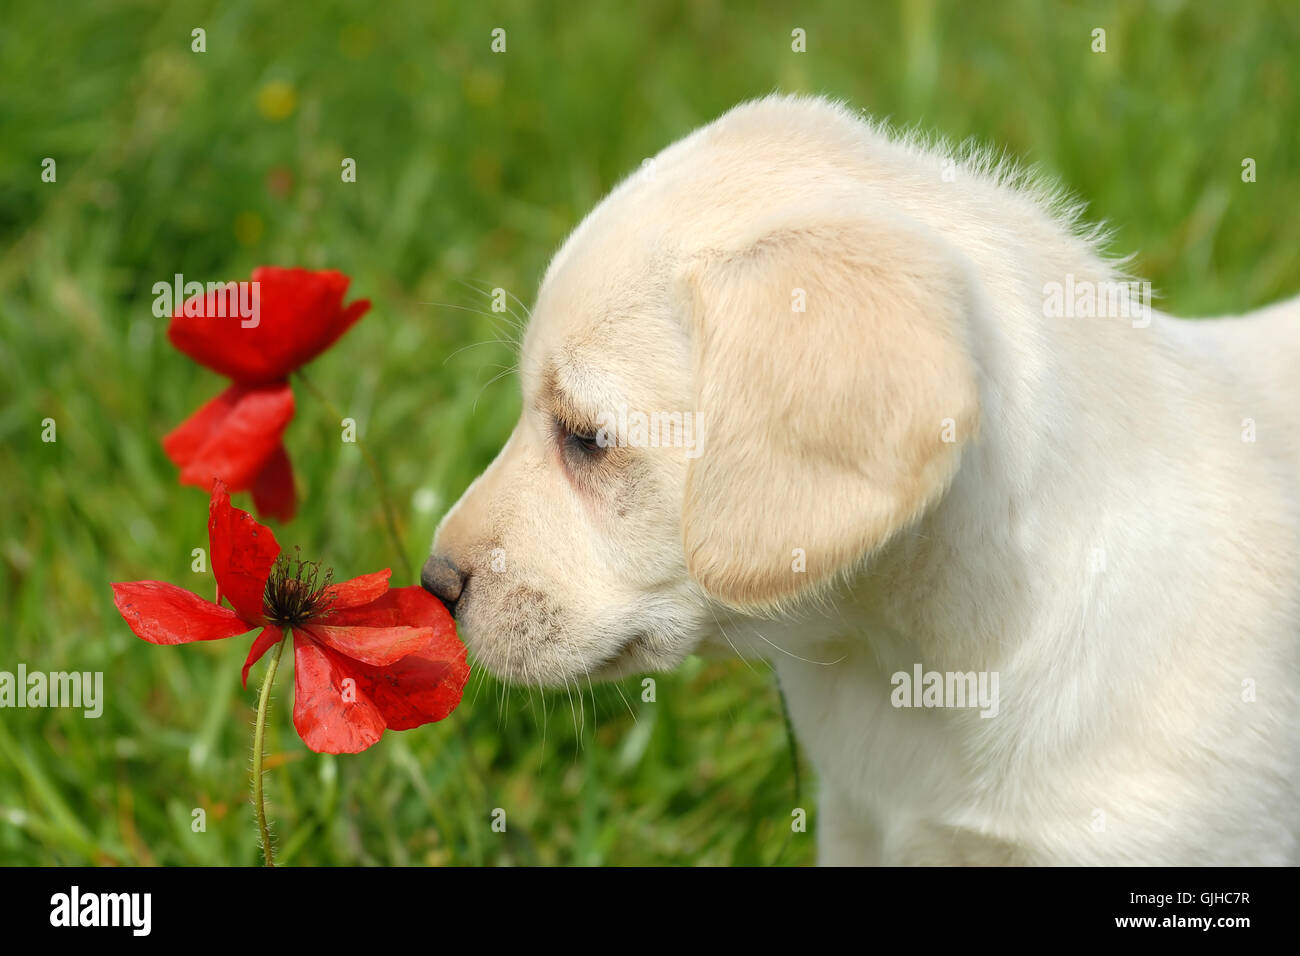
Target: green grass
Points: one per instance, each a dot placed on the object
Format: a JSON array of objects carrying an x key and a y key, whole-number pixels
[{"x": 471, "y": 168}]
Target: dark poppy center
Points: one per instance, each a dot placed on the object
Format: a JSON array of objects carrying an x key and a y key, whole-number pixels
[{"x": 295, "y": 591}]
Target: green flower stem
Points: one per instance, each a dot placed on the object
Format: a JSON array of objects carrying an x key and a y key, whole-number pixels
[
  {"x": 259, "y": 738},
  {"x": 390, "y": 515}
]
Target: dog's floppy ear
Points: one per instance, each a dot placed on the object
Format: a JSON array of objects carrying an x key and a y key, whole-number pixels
[{"x": 833, "y": 375}]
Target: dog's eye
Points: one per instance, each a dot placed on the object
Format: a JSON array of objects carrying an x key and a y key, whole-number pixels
[
  {"x": 588, "y": 445},
  {"x": 579, "y": 444}
]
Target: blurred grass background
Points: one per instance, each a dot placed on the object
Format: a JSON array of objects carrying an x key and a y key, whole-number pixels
[{"x": 471, "y": 168}]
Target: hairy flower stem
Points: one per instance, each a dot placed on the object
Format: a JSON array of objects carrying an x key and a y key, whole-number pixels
[
  {"x": 390, "y": 515},
  {"x": 259, "y": 738}
]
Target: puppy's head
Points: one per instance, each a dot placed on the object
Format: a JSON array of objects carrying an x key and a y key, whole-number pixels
[{"x": 739, "y": 380}]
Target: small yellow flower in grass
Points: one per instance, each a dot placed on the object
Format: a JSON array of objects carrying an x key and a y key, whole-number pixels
[
  {"x": 276, "y": 100},
  {"x": 482, "y": 87},
  {"x": 248, "y": 228}
]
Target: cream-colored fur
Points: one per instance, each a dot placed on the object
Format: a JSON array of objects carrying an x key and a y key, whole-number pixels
[{"x": 924, "y": 467}]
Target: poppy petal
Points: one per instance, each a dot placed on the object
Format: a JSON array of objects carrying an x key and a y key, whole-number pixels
[
  {"x": 358, "y": 591},
  {"x": 299, "y": 313},
  {"x": 162, "y": 613},
  {"x": 264, "y": 641},
  {"x": 424, "y": 686},
  {"x": 343, "y": 321},
  {"x": 240, "y": 444},
  {"x": 378, "y": 646},
  {"x": 410, "y": 606},
  {"x": 207, "y": 329},
  {"x": 307, "y": 312},
  {"x": 273, "y": 491},
  {"x": 342, "y": 704},
  {"x": 243, "y": 552},
  {"x": 331, "y": 716},
  {"x": 418, "y": 689},
  {"x": 184, "y": 442}
]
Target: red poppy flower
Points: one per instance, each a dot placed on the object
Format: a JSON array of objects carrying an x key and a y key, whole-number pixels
[
  {"x": 366, "y": 658},
  {"x": 237, "y": 436}
]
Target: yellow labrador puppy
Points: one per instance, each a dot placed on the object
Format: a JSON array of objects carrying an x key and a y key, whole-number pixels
[{"x": 1024, "y": 553}]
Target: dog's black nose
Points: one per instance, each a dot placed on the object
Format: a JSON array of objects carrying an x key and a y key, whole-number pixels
[{"x": 443, "y": 580}]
